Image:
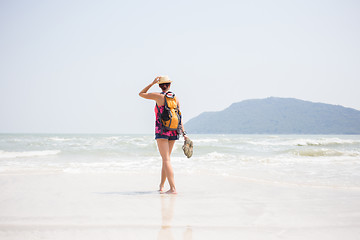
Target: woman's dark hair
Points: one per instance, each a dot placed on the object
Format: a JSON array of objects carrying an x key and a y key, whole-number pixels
[{"x": 164, "y": 86}]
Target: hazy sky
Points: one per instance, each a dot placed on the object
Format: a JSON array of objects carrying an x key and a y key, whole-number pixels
[{"x": 77, "y": 66}]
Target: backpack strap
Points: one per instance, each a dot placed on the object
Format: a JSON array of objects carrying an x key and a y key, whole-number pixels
[
  {"x": 165, "y": 103},
  {"x": 159, "y": 114},
  {"x": 179, "y": 129}
]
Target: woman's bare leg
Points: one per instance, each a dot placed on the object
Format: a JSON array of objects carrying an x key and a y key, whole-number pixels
[
  {"x": 163, "y": 172},
  {"x": 163, "y": 178},
  {"x": 171, "y": 145},
  {"x": 167, "y": 171}
]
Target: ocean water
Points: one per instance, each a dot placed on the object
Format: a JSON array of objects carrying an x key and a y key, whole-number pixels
[{"x": 324, "y": 161}]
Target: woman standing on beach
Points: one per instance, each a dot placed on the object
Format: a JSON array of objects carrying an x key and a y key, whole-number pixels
[{"x": 165, "y": 139}]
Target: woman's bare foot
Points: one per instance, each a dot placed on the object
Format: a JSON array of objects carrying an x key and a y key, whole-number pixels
[
  {"x": 171, "y": 191},
  {"x": 161, "y": 189}
]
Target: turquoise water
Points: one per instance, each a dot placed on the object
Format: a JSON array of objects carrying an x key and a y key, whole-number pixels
[{"x": 308, "y": 160}]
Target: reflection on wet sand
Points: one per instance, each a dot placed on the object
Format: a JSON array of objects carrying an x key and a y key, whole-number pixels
[{"x": 167, "y": 213}]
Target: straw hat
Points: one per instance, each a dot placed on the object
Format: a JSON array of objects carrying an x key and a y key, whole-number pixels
[{"x": 164, "y": 79}]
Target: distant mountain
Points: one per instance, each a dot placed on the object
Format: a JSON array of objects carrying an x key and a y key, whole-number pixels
[{"x": 278, "y": 116}]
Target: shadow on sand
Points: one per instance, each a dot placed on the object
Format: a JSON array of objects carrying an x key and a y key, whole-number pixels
[{"x": 130, "y": 193}]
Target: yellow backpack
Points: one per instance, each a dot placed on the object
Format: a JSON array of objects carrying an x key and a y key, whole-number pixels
[{"x": 171, "y": 116}]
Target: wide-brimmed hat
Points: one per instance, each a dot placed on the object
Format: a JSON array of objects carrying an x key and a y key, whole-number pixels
[{"x": 164, "y": 79}]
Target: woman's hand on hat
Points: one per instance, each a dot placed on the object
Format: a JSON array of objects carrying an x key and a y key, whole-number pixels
[{"x": 156, "y": 80}]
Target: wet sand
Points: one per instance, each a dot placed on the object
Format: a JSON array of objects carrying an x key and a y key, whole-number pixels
[{"x": 114, "y": 206}]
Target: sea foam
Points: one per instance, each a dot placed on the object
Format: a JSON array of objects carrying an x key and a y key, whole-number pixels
[
  {"x": 4, "y": 154},
  {"x": 316, "y": 160}
]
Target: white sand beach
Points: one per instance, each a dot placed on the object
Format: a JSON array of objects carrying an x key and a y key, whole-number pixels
[
  {"x": 234, "y": 187},
  {"x": 127, "y": 206}
]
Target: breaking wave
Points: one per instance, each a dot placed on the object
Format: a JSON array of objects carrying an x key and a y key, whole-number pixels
[
  {"x": 305, "y": 142},
  {"x": 327, "y": 142},
  {"x": 324, "y": 153},
  {"x": 4, "y": 154}
]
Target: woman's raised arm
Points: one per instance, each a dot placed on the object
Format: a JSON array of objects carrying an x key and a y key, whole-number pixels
[{"x": 143, "y": 93}]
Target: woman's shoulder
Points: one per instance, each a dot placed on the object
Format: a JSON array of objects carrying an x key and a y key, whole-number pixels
[{"x": 159, "y": 98}]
